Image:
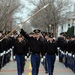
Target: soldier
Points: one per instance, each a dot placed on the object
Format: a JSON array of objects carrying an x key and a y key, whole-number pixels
[
  {"x": 73, "y": 45},
  {"x": 36, "y": 48},
  {"x": 20, "y": 52},
  {"x": 7, "y": 44},
  {"x": 61, "y": 45},
  {"x": 51, "y": 51},
  {"x": 68, "y": 44},
  {"x": 26, "y": 51},
  {"x": 1, "y": 50},
  {"x": 14, "y": 39},
  {"x": 44, "y": 61}
]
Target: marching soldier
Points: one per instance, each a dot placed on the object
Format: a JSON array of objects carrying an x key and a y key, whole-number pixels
[
  {"x": 44, "y": 61},
  {"x": 36, "y": 48},
  {"x": 20, "y": 52},
  {"x": 7, "y": 44},
  {"x": 73, "y": 44},
  {"x": 51, "y": 51},
  {"x": 1, "y": 50},
  {"x": 14, "y": 39},
  {"x": 61, "y": 45}
]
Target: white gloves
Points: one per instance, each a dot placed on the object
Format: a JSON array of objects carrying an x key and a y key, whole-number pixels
[
  {"x": 58, "y": 48},
  {"x": 41, "y": 59},
  {"x": 69, "y": 54},
  {"x": 25, "y": 57},
  {"x": 73, "y": 56},
  {"x": 2, "y": 53},
  {"x": 27, "y": 54},
  {"x": 66, "y": 52},
  {"x": 44, "y": 57},
  {"x": 14, "y": 57}
]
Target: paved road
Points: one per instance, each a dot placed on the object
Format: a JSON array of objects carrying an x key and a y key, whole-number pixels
[{"x": 11, "y": 69}]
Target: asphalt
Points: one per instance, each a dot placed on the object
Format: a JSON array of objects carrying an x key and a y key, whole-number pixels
[{"x": 11, "y": 69}]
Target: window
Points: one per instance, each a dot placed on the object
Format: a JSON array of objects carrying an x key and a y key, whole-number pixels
[
  {"x": 62, "y": 27},
  {"x": 68, "y": 25}
]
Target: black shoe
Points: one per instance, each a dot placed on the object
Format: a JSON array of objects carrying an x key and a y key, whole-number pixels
[
  {"x": 23, "y": 71},
  {"x": 50, "y": 74}
]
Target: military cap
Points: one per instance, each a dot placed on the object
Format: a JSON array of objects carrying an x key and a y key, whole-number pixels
[
  {"x": 31, "y": 33},
  {"x": 15, "y": 32},
  {"x": 19, "y": 35},
  {"x": 61, "y": 33},
  {"x": 43, "y": 33},
  {"x": 7, "y": 32},
  {"x": 50, "y": 36},
  {"x": 36, "y": 31},
  {"x": 46, "y": 34}
]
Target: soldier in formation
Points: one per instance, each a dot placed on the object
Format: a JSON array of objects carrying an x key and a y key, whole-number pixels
[{"x": 41, "y": 46}]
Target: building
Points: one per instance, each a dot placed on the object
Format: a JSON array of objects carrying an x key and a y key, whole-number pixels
[{"x": 70, "y": 21}]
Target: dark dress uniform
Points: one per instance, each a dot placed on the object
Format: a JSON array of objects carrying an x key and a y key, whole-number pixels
[
  {"x": 73, "y": 49},
  {"x": 1, "y": 51},
  {"x": 51, "y": 51},
  {"x": 36, "y": 48},
  {"x": 14, "y": 39},
  {"x": 70, "y": 46},
  {"x": 61, "y": 45},
  {"x": 5, "y": 48},
  {"x": 44, "y": 62},
  {"x": 7, "y": 44},
  {"x": 20, "y": 52}
]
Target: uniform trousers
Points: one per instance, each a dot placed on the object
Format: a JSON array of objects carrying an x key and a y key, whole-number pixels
[
  {"x": 0, "y": 61},
  {"x": 45, "y": 64},
  {"x": 20, "y": 60},
  {"x": 35, "y": 62},
  {"x": 50, "y": 62}
]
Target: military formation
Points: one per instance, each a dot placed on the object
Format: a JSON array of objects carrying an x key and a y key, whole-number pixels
[
  {"x": 41, "y": 46},
  {"x": 66, "y": 50}
]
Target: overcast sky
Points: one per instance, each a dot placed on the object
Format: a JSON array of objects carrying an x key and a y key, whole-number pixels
[{"x": 24, "y": 13}]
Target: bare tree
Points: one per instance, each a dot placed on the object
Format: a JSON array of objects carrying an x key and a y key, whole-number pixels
[
  {"x": 53, "y": 15},
  {"x": 27, "y": 28},
  {"x": 7, "y": 9}
]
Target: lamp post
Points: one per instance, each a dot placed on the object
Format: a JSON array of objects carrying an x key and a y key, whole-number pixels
[
  {"x": 50, "y": 27},
  {"x": 47, "y": 29}
]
